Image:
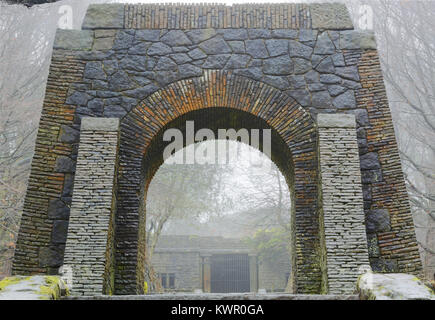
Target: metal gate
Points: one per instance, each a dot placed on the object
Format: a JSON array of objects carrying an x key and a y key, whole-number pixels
[{"x": 230, "y": 273}]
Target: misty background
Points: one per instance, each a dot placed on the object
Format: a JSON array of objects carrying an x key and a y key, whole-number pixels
[{"x": 237, "y": 199}]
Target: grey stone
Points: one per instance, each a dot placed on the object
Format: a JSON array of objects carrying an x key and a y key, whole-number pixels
[
  {"x": 277, "y": 47},
  {"x": 237, "y": 61},
  {"x": 196, "y": 54},
  {"x": 68, "y": 134},
  {"x": 104, "y": 16},
  {"x": 148, "y": 35},
  {"x": 285, "y": 33},
  {"x": 277, "y": 82},
  {"x": 330, "y": 79},
  {"x": 216, "y": 61},
  {"x": 165, "y": 63},
  {"x": 297, "y": 49},
  {"x": 307, "y": 35},
  {"x": 330, "y": 16},
  {"x": 133, "y": 62},
  {"x": 357, "y": 39},
  {"x": 315, "y": 59},
  {"x": 378, "y": 220},
  {"x": 281, "y": 65},
  {"x": 259, "y": 33},
  {"x": 369, "y": 161},
  {"x": 256, "y": 48},
  {"x": 324, "y": 44},
  {"x": 59, "y": 232},
  {"x": 200, "y": 35},
  {"x": 180, "y": 58},
  {"x": 105, "y": 33},
  {"x": 362, "y": 116},
  {"x": 188, "y": 70},
  {"x": 339, "y": 120},
  {"x": 334, "y": 90},
  {"x": 301, "y": 96},
  {"x": 312, "y": 87},
  {"x": 216, "y": 45},
  {"x": 142, "y": 92},
  {"x": 57, "y": 209},
  {"x": 253, "y": 73},
  {"x": 103, "y": 44},
  {"x": 255, "y": 63},
  {"x": 120, "y": 81},
  {"x": 100, "y": 124},
  {"x": 350, "y": 72},
  {"x": 338, "y": 60},
  {"x": 301, "y": 65},
  {"x": 166, "y": 77},
  {"x": 325, "y": 66},
  {"x": 371, "y": 176},
  {"x": 176, "y": 38},
  {"x": 384, "y": 265},
  {"x": 345, "y": 100},
  {"x": 64, "y": 164},
  {"x": 96, "y": 106},
  {"x": 320, "y": 99},
  {"x": 114, "y": 111},
  {"x": 312, "y": 76},
  {"x": 68, "y": 186},
  {"x": 139, "y": 49},
  {"x": 73, "y": 39},
  {"x": 78, "y": 98},
  {"x": 296, "y": 81},
  {"x": 237, "y": 46},
  {"x": 123, "y": 40},
  {"x": 110, "y": 66},
  {"x": 235, "y": 34},
  {"x": 159, "y": 49}
]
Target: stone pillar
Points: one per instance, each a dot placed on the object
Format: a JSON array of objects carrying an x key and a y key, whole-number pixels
[
  {"x": 89, "y": 252},
  {"x": 206, "y": 273},
  {"x": 342, "y": 217},
  {"x": 253, "y": 273}
]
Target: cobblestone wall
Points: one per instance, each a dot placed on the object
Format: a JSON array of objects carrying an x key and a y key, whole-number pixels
[
  {"x": 342, "y": 203},
  {"x": 89, "y": 246}
]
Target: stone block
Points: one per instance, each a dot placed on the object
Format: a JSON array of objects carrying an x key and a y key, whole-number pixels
[
  {"x": 327, "y": 120},
  {"x": 73, "y": 39},
  {"x": 104, "y": 16},
  {"x": 100, "y": 124},
  {"x": 357, "y": 39}
]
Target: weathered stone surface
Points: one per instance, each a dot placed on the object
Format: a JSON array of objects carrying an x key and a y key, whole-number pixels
[
  {"x": 123, "y": 40},
  {"x": 237, "y": 46},
  {"x": 256, "y": 48},
  {"x": 57, "y": 209},
  {"x": 32, "y": 288},
  {"x": 282, "y": 65},
  {"x": 60, "y": 229},
  {"x": 277, "y": 47},
  {"x": 216, "y": 45},
  {"x": 176, "y": 38},
  {"x": 325, "y": 120},
  {"x": 330, "y": 16},
  {"x": 217, "y": 61},
  {"x": 201, "y": 35},
  {"x": 235, "y": 34},
  {"x": 370, "y": 161},
  {"x": 325, "y": 66},
  {"x": 196, "y": 54},
  {"x": 393, "y": 286},
  {"x": 285, "y": 33},
  {"x": 103, "y": 44},
  {"x": 301, "y": 65},
  {"x": 348, "y": 72},
  {"x": 188, "y": 70},
  {"x": 159, "y": 49},
  {"x": 94, "y": 70},
  {"x": 297, "y": 49},
  {"x": 352, "y": 39},
  {"x": 378, "y": 220},
  {"x": 68, "y": 134},
  {"x": 73, "y": 39},
  {"x": 120, "y": 81},
  {"x": 165, "y": 63},
  {"x": 237, "y": 61},
  {"x": 64, "y": 164},
  {"x": 180, "y": 58},
  {"x": 148, "y": 35},
  {"x": 324, "y": 45},
  {"x": 261, "y": 33},
  {"x": 104, "y": 16},
  {"x": 321, "y": 99},
  {"x": 345, "y": 100}
]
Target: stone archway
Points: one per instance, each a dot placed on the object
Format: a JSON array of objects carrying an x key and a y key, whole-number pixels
[{"x": 141, "y": 149}]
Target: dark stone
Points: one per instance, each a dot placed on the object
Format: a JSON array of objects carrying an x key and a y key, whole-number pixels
[
  {"x": 68, "y": 134},
  {"x": 259, "y": 33},
  {"x": 139, "y": 49},
  {"x": 216, "y": 61},
  {"x": 165, "y": 63},
  {"x": 277, "y": 47},
  {"x": 120, "y": 81},
  {"x": 78, "y": 98},
  {"x": 114, "y": 111},
  {"x": 188, "y": 70},
  {"x": 51, "y": 256},
  {"x": 345, "y": 100},
  {"x": 325, "y": 66},
  {"x": 369, "y": 161},
  {"x": 384, "y": 265},
  {"x": 60, "y": 231},
  {"x": 64, "y": 164},
  {"x": 148, "y": 35},
  {"x": 123, "y": 40},
  {"x": 256, "y": 48},
  {"x": 361, "y": 133},
  {"x": 324, "y": 45},
  {"x": 321, "y": 99},
  {"x": 135, "y": 63},
  {"x": 378, "y": 220},
  {"x": 361, "y": 116},
  {"x": 159, "y": 49},
  {"x": 176, "y": 38},
  {"x": 330, "y": 79},
  {"x": 96, "y": 105},
  {"x": 372, "y": 244},
  {"x": 68, "y": 186},
  {"x": 350, "y": 73},
  {"x": 235, "y": 34},
  {"x": 351, "y": 84},
  {"x": 200, "y": 35},
  {"x": 215, "y": 45},
  {"x": 312, "y": 87},
  {"x": 166, "y": 77},
  {"x": 237, "y": 46},
  {"x": 281, "y": 65},
  {"x": 367, "y": 192},
  {"x": 297, "y": 49},
  {"x": 128, "y": 103},
  {"x": 237, "y": 61},
  {"x": 277, "y": 82},
  {"x": 196, "y": 54},
  {"x": 301, "y": 96},
  {"x": 142, "y": 92},
  {"x": 335, "y": 90},
  {"x": 57, "y": 209},
  {"x": 371, "y": 176},
  {"x": 180, "y": 58},
  {"x": 362, "y": 146},
  {"x": 94, "y": 70},
  {"x": 296, "y": 81},
  {"x": 100, "y": 85},
  {"x": 285, "y": 33}
]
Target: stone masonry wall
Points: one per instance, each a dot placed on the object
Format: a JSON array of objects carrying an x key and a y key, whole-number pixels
[
  {"x": 89, "y": 245},
  {"x": 342, "y": 203}
]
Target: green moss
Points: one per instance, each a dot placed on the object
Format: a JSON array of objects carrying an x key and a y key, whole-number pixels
[{"x": 10, "y": 281}]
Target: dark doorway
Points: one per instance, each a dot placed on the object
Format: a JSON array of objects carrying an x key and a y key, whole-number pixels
[{"x": 230, "y": 273}]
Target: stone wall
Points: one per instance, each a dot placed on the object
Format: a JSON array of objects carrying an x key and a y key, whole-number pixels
[
  {"x": 342, "y": 203},
  {"x": 89, "y": 251}
]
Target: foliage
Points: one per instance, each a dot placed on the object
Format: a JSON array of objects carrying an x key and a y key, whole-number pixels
[{"x": 270, "y": 243}]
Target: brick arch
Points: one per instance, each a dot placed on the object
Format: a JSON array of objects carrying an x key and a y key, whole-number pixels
[{"x": 216, "y": 89}]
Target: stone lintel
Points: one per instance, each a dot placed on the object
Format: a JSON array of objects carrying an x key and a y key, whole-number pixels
[
  {"x": 357, "y": 39},
  {"x": 333, "y": 16},
  {"x": 104, "y": 16},
  {"x": 73, "y": 39},
  {"x": 328, "y": 120},
  {"x": 100, "y": 124}
]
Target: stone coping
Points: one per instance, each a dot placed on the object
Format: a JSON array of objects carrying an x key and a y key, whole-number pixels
[
  {"x": 327, "y": 120},
  {"x": 100, "y": 124}
]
